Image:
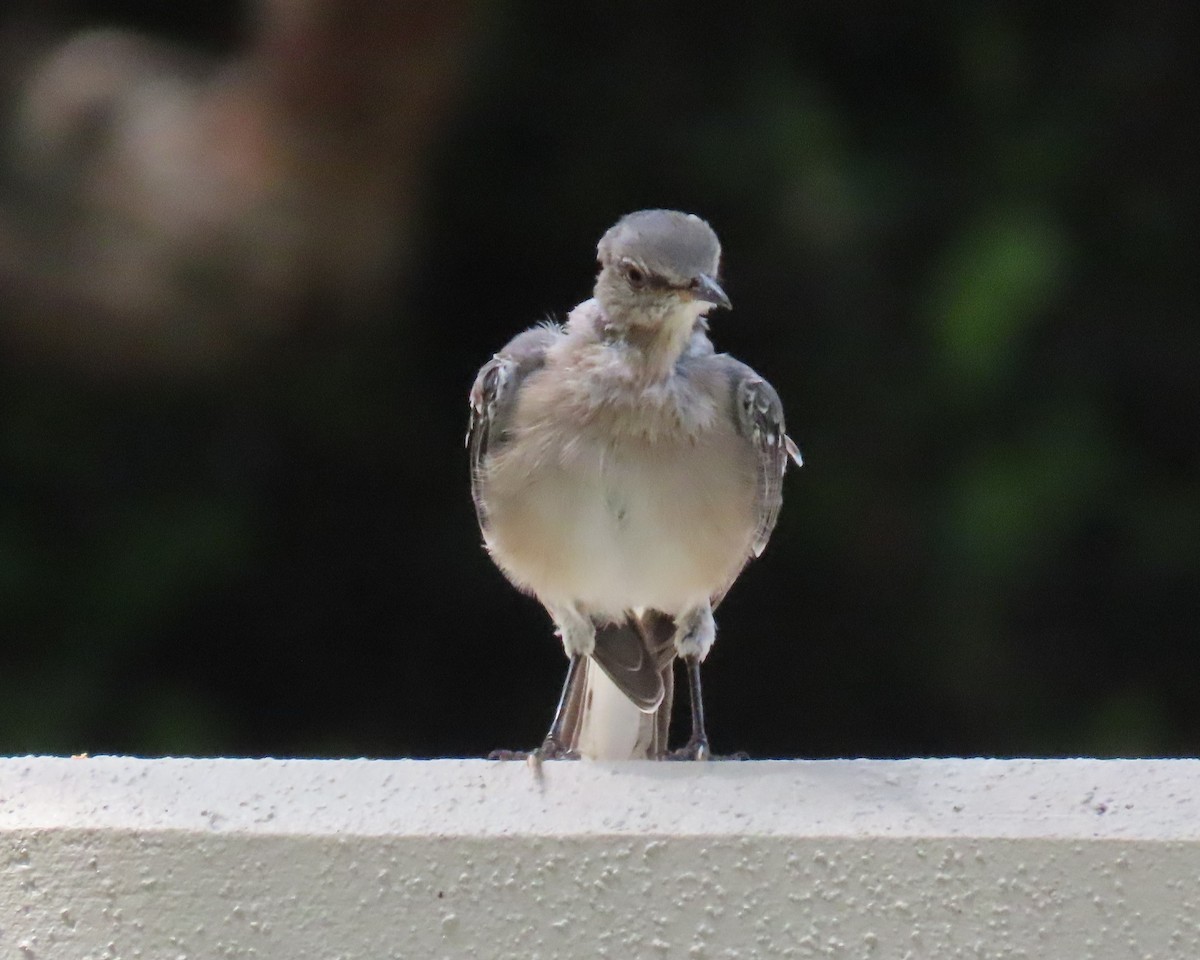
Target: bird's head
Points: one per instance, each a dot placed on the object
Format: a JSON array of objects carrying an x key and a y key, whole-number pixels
[{"x": 658, "y": 272}]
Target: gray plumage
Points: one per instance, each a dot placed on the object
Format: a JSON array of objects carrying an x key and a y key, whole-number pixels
[{"x": 624, "y": 472}]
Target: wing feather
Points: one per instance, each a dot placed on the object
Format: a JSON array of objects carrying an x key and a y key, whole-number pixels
[
  {"x": 493, "y": 398},
  {"x": 760, "y": 420}
]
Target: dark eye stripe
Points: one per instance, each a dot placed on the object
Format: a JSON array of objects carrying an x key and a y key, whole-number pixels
[{"x": 639, "y": 276}]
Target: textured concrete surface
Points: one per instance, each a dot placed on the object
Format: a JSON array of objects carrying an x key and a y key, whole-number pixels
[{"x": 367, "y": 860}]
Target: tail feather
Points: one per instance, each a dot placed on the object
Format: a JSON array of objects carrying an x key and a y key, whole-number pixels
[
  {"x": 622, "y": 653},
  {"x": 623, "y": 708}
]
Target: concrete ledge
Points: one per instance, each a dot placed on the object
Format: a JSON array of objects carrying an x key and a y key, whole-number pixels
[{"x": 340, "y": 860}]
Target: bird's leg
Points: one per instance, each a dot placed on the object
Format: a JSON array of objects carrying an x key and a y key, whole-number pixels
[
  {"x": 694, "y": 635},
  {"x": 578, "y": 635},
  {"x": 697, "y": 746},
  {"x": 552, "y": 747}
]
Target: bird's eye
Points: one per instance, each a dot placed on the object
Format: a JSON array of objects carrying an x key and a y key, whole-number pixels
[{"x": 633, "y": 274}]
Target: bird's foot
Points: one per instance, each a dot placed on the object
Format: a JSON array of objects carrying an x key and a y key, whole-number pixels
[
  {"x": 695, "y": 749},
  {"x": 508, "y": 755},
  {"x": 699, "y": 750},
  {"x": 550, "y": 749}
]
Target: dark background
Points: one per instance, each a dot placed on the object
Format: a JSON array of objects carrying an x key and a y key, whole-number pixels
[{"x": 251, "y": 257}]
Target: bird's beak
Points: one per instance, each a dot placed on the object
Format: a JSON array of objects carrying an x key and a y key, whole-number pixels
[{"x": 707, "y": 289}]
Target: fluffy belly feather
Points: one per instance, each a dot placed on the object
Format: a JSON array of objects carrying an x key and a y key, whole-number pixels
[{"x": 624, "y": 526}]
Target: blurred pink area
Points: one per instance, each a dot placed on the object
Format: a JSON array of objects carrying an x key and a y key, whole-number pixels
[{"x": 164, "y": 213}]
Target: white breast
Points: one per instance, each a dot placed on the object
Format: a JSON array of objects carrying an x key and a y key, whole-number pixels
[{"x": 629, "y": 524}]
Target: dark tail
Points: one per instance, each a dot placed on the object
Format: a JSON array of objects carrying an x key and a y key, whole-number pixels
[{"x": 627, "y": 718}]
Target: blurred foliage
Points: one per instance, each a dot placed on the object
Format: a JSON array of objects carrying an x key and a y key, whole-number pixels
[{"x": 956, "y": 238}]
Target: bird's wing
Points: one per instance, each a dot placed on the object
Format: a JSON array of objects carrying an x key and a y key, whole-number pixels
[
  {"x": 760, "y": 420},
  {"x": 493, "y": 398}
]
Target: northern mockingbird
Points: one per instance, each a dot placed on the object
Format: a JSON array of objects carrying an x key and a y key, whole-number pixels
[{"x": 623, "y": 473}]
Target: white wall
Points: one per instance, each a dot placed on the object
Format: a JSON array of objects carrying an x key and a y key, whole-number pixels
[{"x": 366, "y": 860}]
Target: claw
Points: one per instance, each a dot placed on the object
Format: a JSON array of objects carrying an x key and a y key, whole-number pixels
[
  {"x": 699, "y": 750},
  {"x": 695, "y": 749},
  {"x": 551, "y": 749},
  {"x": 508, "y": 755}
]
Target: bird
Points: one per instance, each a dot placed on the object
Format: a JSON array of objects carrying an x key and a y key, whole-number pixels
[{"x": 624, "y": 472}]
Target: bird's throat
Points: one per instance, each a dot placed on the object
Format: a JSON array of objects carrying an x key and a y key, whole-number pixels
[{"x": 659, "y": 346}]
